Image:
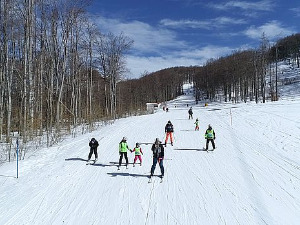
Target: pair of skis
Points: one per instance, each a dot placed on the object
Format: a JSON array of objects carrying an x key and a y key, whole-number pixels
[
  {"x": 91, "y": 162},
  {"x": 120, "y": 166},
  {"x": 150, "y": 179}
]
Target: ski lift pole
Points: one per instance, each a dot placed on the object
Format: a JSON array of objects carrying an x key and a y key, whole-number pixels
[
  {"x": 17, "y": 158},
  {"x": 230, "y": 118}
]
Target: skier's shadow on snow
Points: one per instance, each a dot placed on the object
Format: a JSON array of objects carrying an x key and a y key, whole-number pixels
[
  {"x": 6, "y": 176},
  {"x": 191, "y": 149},
  {"x": 76, "y": 159},
  {"x": 188, "y": 130},
  {"x": 127, "y": 175},
  {"x": 102, "y": 165}
]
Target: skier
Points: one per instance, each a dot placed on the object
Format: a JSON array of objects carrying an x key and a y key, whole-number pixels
[
  {"x": 158, "y": 157},
  {"x": 190, "y": 113},
  {"x": 138, "y": 152},
  {"x": 169, "y": 129},
  {"x": 197, "y": 124},
  {"x": 210, "y": 136},
  {"x": 123, "y": 147},
  {"x": 93, "y": 149}
]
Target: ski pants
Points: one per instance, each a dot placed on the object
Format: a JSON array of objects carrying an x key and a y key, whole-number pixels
[
  {"x": 93, "y": 150},
  {"x": 121, "y": 157},
  {"x": 137, "y": 157},
  {"x": 169, "y": 134},
  {"x": 190, "y": 116},
  {"x": 161, "y": 165},
  {"x": 212, "y": 142},
  {"x": 197, "y": 128}
]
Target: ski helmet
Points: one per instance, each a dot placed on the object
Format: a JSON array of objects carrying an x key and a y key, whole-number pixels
[
  {"x": 124, "y": 139},
  {"x": 137, "y": 145}
]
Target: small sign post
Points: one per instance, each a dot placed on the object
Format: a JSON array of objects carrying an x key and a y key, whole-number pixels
[{"x": 17, "y": 158}]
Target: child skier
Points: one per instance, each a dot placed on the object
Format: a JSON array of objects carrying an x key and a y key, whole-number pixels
[
  {"x": 197, "y": 124},
  {"x": 169, "y": 129},
  {"x": 138, "y": 154},
  {"x": 93, "y": 149}
]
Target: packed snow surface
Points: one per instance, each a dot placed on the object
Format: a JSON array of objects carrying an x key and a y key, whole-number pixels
[{"x": 252, "y": 177}]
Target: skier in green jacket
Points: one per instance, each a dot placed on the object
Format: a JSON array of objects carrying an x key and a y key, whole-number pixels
[{"x": 210, "y": 136}]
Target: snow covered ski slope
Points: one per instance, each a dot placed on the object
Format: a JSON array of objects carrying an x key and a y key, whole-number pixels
[{"x": 253, "y": 176}]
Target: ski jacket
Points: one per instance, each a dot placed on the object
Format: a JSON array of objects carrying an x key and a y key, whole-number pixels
[
  {"x": 137, "y": 151},
  {"x": 94, "y": 144},
  {"x": 190, "y": 111},
  {"x": 197, "y": 123},
  {"x": 210, "y": 134},
  {"x": 158, "y": 151},
  {"x": 169, "y": 127},
  {"x": 123, "y": 146}
]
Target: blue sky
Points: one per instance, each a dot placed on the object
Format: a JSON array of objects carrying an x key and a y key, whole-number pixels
[{"x": 168, "y": 33}]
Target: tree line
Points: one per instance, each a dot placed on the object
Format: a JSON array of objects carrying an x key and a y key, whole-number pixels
[{"x": 249, "y": 75}]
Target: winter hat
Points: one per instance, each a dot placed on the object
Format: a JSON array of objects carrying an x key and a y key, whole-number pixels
[
  {"x": 137, "y": 145},
  {"x": 124, "y": 139}
]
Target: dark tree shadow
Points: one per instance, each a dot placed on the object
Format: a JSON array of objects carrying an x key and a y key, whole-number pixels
[
  {"x": 128, "y": 175},
  {"x": 192, "y": 149},
  {"x": 188, "y": 130},
  {"x": 7, "y": 176},
  {"x": 101, "y": 165},
  {"x": 117, "y": 163},
  {"x": 76, "y": 159}
]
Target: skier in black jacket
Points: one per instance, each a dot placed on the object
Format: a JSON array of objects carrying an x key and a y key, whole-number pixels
[
  {"x": 158, "y": 157},
  {"x": 169, "y": 129},
  {"x": 190, "y": 113},
  {"x": 93, "y": 149}
]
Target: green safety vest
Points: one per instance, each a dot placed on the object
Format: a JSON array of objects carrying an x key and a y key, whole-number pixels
[
  {"x": 123, "y": 147},
  {"x": 137, "y": 151},
  {"x": 209, "y": 134}
]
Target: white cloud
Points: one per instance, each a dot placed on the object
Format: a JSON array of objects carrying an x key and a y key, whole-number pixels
[
  {"x": 204, "y": 24},
  {"x": 296, "y": 11},
  {"x": 157, "y": 48},
  {"x": 187, "y": 57},
  {"x": 264, "y": 5},
  {"x": 272, "y": 30},
  {"x": 147, "y": 39}
]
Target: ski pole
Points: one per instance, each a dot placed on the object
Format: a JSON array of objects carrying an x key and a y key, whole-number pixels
[{"x": 17, "y": 158}]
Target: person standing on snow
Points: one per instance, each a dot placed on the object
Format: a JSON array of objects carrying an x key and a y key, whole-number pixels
[
  {"x": 169, "y": 129},
  {"x": 197, "y": 124},
  {"x": 190, "y": 113},
  {"x": 93, "y": 149},
  {"x": 123, "y": 147},
  {"x": 210, "y": 136},
  {"x": 158, "y": 157},
  {"x": 138, "y": 153}
]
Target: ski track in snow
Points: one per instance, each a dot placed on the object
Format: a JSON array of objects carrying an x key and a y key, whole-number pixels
[{"x": 253, "y": 176}]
